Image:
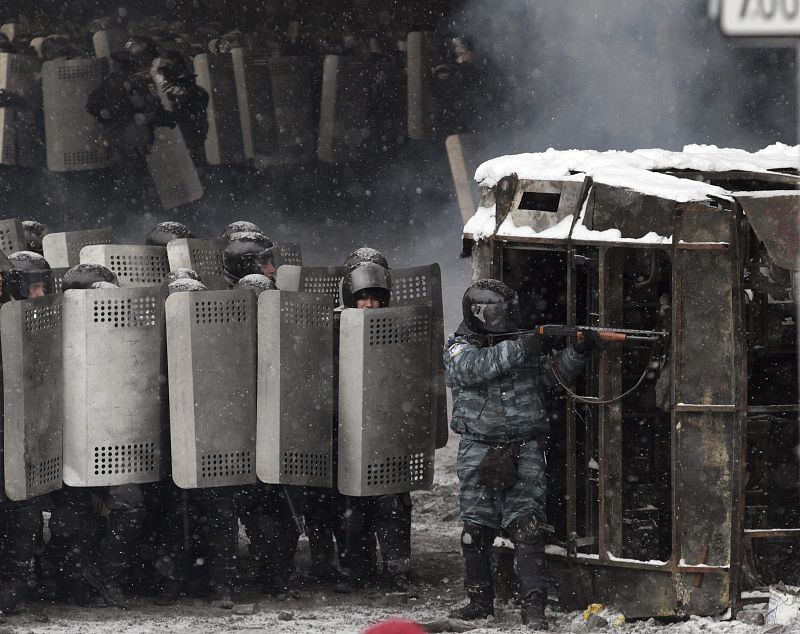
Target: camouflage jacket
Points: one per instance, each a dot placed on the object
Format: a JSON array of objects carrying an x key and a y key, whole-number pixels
[{"x": 498, "y": 394}]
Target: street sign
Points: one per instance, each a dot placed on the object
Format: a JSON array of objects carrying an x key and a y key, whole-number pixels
[{"x": 760, "y": 18}]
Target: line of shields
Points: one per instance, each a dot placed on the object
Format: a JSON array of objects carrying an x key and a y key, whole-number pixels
[
  {"x": 262, "y": 109},
  {"x": 220, "y": 387}
]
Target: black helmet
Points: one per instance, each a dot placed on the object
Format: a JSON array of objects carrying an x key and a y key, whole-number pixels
[
  {"x": 256, "y": 282},
  {"x": 58, "y": 46},
  {"x": 28, "y": 268},
  {"x": 163, "y": 232},
  {"x": 363, "y": 280},
  {"x": 172, "y": 65},
  {"x": 185, "y": 284},
  {"x": 138, "y": 53},
  {"x": 366, "y": 254},
  {"x": 183, "y": 274},
  {"x": 491, "y": 306},
  {"x": 240, "y": 226},
  {"x": 34, "y": 232},
  {"x": 83, "y": 276},
  {"x": 243, "y": 255}
]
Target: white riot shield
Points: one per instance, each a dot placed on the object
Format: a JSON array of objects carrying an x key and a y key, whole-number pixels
[
  {"x": 115, "y": 391},
  {"x": 12, "y": 236},
  {"x": 172, "y": 169},
  {"x": 288, "y": 253},
  {"x": 136, "y": 266},
  {"x": 422, "y": 286},
  {"x": 73, "y": 137},
  {"x": 345, "y": 117},
  {"x": 212, "y": 349},
  {"x": 385, "y": 441},
  {"x": 63, "y": 249},
  {"x": 224, "y": 143},
  {"x": 202, "y": 256},
  {"x": 310, "y": 279},
  {"x": 32, "y": 420},
  {"x": 58, "y": 278},
  {"x": 109, "y": 41},
  {"x": 21, "y": 116},
  {"x": 295, "y": 389}
]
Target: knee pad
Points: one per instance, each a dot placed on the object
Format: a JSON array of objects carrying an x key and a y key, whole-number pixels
[
  {"x": 527, "y": 529},
  {"x": 476, "y": 537}
]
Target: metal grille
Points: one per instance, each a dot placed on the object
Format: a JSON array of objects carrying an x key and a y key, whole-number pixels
[
  {"x": 43, "y": 473},
  {"x": 405, "y": 289},
  {"x": 137, "y": 312},
  {"x": 43, "y": 318},
  {"x": 217, "y": 311},
  {"x": 311, "y": 465},
  {"x": 231, "y": 463},
  {"x": 7, "y": 241},
  {"x": 304, "y": 314},
  {"x": 290, "y": 254},
  {"x": 131, "y": 458},
  {"x": 140, "y": 269},
  {"x": 58, "y": 282},
  {"x": 79, "y": 159},
  {"x": 207, "y": 261},
  {"x": 82, "y": 71},
  {"x": 325, "y": 284},
  {"x": 386, "y": 331},
  {"x": 409, "y": 469}
]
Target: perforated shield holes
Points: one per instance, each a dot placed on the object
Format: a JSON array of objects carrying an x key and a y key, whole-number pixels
[
  {"x": 386, "y": 331},
  {"x": 41, "y": 475},
  {"x": 306, "y": 465},
  {"x": 121, "y": 459},
  {"x": 220, "y": 311},
  {"x": 43, "y": 318},
  {"x": 207, "y": 261},
  {"x": 226, "y": 464},
  {"x": 136, "y": 312},
  {"x": 321, "y": 283},
  {"x": 139, "y": 269},
  {"x": 407, "y": 289}
]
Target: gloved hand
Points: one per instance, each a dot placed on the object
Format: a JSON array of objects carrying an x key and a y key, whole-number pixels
[
  {"x": 589, "y": 341},
  {"x": 531, "y": 343}
]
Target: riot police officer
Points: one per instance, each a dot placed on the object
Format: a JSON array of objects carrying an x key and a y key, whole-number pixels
[
  {"x": 34, "y": 232},
  {"x": 385, "y": 517},
  {"x": 164, "y": 232},
  {"x": 246, "y": 252},
  {"x": 94, "y": 529},
  {"x": 499, "y": 382},
  {"x": 27, "y": 276}
]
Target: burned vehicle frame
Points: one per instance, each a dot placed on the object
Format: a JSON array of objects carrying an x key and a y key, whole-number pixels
[{"x": 674, "y": 486}]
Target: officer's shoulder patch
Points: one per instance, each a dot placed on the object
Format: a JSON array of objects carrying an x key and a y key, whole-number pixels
[{"x": 457, "y": 348}]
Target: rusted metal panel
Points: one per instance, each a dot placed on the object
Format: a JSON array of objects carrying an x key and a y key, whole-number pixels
[
  {"x": 633, "y": 213},
  {"x": 702, "y": 223},
  {"x": 708, "y": 599},
  {"x": 706, "y": 374},
  {"x": 774, "y": 219}
]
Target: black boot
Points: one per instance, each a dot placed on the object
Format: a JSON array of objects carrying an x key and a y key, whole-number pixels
[
  {"x": 476, "y": 544},
  {"x": 533, "y": 611},
  {"x": 480, "y": 606}
]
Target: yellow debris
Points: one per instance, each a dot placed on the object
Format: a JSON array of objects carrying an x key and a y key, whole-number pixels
[{"x": 594, "y": 608}]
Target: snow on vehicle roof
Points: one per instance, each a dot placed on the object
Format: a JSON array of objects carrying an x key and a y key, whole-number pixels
[
  {"x": 630, "y": 170},
  {"x": 628, "y": 166}
]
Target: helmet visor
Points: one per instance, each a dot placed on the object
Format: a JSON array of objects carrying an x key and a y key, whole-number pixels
[{"x": 499, "y": 318}]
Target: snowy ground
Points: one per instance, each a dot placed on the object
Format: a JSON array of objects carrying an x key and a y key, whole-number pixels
[{"x": 437, "y": 562}]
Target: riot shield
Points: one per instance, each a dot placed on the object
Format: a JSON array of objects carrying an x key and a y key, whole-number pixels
[
  {"x": 386, "y": 441},
  {"x": 12, "y": 236},
  {"x": 288, "y": 253},
  {"x": 211, "y": 341},
  {"x": 345, "y": 125},
  {"x": 32, "y": 416},
  {"x": 286, "y": 133},
  {"x": 422, "y": 51},
  {"x": 253, "y": 96},
  {"x": 224, "y": 143},
  {"x": 202, "y": 256},
  {"x": 115, "y": 393},
  {"x": 136, "y": 266},
  {"x": 422, "y": 286},
  {"x": 58, "y": 278},
  {"x": 172, "y": 169},
  {"x": 64, "y": 249},
  {"x": 21, "y": 117},
  {"x": 464, "y": 153},
  {"x": 295, "y": 388},
  {"x": 310, "y": 279},
  {"x": 73, "y": 137},
  {"x": 109, "y": 41}
]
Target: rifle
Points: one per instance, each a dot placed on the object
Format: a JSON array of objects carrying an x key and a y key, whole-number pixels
[{"x": 605, "y": 333}]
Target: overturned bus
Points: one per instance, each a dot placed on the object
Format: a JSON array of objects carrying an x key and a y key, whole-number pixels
[{"x": 673, "y": 462}]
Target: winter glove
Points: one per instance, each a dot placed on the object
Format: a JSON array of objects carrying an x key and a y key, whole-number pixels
[
  {"x": 531, "y": 343},
  {"x": 589, "y": 341}
]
